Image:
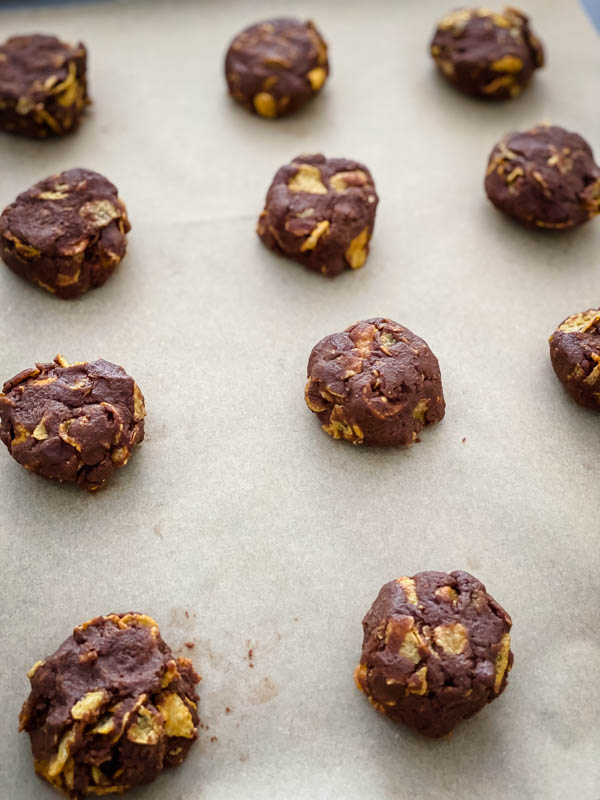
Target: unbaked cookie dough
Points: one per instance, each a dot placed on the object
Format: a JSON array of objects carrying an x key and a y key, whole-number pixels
[
  {"x": 66, "y": 233},
  {"x": 545, "y": 177},
  {"x": 43, "y": 86},
  {"x": 275, "y": 67},
  {"x": 487, "y": 54},
  {"x": 320, "y": 212},
  {"x": 436, "y": 650},
  {"x": 575, "y": 356},
  {"x": 111, "y": 708},
  {"x": 376, "y": 383},
  {"x": 76, "y": 423}
]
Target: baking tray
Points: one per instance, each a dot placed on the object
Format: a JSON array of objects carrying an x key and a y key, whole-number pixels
[{"x": 238, "y": 524}]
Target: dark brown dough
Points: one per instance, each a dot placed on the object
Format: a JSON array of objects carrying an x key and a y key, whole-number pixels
[
  {"x": 274, "y": 67},
  {"x": 320, "y": 212},
  {"x": 376, "y": 383},
  {"x": 72, "y": 422},
  {"x": 487, "y": 54},
  {"x": 575, "y": 356},
  {"x": 436, "y": 649},
  {"x": 66, "y": 233},
  {"x": 43, "y": 86},
  {"x": 111, "y": 708},
  {"x": 545, "y": 178}
]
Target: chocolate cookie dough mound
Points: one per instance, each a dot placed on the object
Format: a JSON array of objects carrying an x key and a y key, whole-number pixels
[
  {"x": 111, "y": 708},
  {"x": 545, "y": 177},
  {"x": 575, "y": 356},
  {"x": 436, "y": 649},
  {"x": 376, "y": 383},
  {"x": 66, "y": 233},
  {"x": 72, "y": 422},
  {"x": 487, "y": 54},
  {"x": 43, "y": 89},
  {"x": 320, "y": 212},
  {"x": 275, "y": 67}
]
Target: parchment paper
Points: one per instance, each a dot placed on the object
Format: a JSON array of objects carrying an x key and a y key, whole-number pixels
[{"x": 238, "y": 524}]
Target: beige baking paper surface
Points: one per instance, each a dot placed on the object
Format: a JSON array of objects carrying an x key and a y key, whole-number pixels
[{"x": 238, "y": 524}]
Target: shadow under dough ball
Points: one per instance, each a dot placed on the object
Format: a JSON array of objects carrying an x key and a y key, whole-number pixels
[
  {"x": 67, "y": 233},
  {"x": 436, "y": 650},
  {"x": 320, "y": 212},
  {"x": 545, "y": 177},
  {"x": 575, "y": 356},
  {"x": 43, "y": 86},
  {"x": 76, "y": 423},
  {"x": 275, "y": 67},
  {"x": 486, "y": 54},
  {"x": 376, "y": 383},
  {"x": 111, "y": 708}
]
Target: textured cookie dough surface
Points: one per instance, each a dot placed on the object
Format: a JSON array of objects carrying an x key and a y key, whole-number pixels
[
  {"x": 487, "y": 54},
  {"x": 545, "y": 177},
  {"x": 436, "y": 649},
  {"x": 375, "y": 383},
  {"x": 66, "y": 233},
  {"x": 111, "y": 708},
  {"x": 72, "y": 422},
  {"x": 320, "y": 212},
  {"x": 275, "y": 67},
  {"x": 575, "y": 356},
  {"x": 43, "y": 88}
]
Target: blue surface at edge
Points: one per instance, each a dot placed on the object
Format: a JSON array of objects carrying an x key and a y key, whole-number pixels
[{"x": 593, "y": 9}]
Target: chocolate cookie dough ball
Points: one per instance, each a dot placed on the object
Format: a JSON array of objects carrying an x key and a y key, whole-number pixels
[
  {"x": 72, "y": 422},
  {"x": 111, "y": 708},
  {"x": 66, "y": 233},
  {"x": 376, "y": 383},
  {"x": 575, "y": 356},
  {"x": 436, "y": 649},
  {"x": 320, "y": 212},
  {"x": 544, "y": 178},
  {"x": 275, "y": 67},
  {"x": 43, "y": 89},
  {"x": 487, "y": 54}
]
